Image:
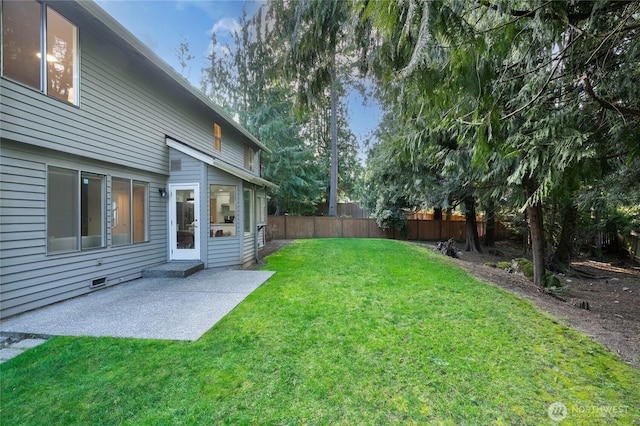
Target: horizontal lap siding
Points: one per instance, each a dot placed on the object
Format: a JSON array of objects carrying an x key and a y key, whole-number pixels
[
  {"x": 249, "y": 251},
  {"x": 31, "y": 278},
  {"x": 123, "y": 116},
  {"x": 191, "y": 170},
  {"x": 22, "y": 210},
  {"x": 223, "y": 252},
  {"x": 118, "y": 130},
  {"x": 152, "y": 105}
]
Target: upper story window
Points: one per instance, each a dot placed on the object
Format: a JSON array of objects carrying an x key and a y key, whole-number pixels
[
  {"x": 40, "y": 49},
  {"x": 217, "y": 137},
  {"x": 249, "y": 155}
]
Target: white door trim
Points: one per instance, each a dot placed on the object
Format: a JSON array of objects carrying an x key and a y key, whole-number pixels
[{"x": 184, "y": 231}]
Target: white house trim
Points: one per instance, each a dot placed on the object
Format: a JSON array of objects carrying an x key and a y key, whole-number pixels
[
  {"x": 207, "y": 159},
  {"x": 187, "y": 150}
]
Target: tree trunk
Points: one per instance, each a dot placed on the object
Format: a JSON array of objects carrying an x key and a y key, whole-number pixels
[
  {"x": 534, "y": 213},
  {"x": 473, "y": 241},
  {"x": 437, "y": 214},
  {"x": 490, "y": 232},
  {"x": 562, "y": 255},
  {"x": 333, "y": 190}
]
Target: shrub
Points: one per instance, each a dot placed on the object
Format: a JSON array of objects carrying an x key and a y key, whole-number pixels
[
  {"x": 524, "y": 266},
  {"x": 503, "y": 265}
]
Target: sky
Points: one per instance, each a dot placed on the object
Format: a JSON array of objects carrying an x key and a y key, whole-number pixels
[{"x": 163, "y": 24}]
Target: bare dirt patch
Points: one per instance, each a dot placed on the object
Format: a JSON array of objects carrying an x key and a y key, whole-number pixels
[{"x": 609, "y": 287}]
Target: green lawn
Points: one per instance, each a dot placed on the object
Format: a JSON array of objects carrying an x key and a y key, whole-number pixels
[{"x": 347, "y": 332}]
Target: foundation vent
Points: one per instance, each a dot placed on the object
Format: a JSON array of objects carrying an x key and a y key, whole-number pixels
[{"x": 98, "y": 282}]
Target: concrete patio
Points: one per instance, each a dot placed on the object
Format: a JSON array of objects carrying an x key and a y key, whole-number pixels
[{"x": 147, "y": 308}]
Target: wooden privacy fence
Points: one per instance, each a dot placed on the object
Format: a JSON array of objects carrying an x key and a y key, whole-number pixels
[{"x": 302, "y": 227}]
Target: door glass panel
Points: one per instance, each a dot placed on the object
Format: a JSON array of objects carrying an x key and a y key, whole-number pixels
[{"x": 185, "y": 219}]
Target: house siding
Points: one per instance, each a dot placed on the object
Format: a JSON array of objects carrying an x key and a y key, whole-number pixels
[
  {"x": 127, "y": 106},
  {"x": 30, "y": 277},
  {"x": 190, "y": 170},
  {"x": 123, "y": 115},
  {"x": 248, "y": 252}
]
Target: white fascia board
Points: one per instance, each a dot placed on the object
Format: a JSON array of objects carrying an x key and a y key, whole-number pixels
[
  {"x": 243, "y": 175},
  {"x": 219, "y": 164},
  {"x": 187, "y": 150}
]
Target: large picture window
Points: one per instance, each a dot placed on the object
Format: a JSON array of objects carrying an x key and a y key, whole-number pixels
[
  {"x": 222, "y": 208},
  {"x": 40, "y": 49},
  {"x": 75, "y": 205}
]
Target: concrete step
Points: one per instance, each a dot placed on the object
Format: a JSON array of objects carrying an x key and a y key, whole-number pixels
[{"x": 174, "y": 269}]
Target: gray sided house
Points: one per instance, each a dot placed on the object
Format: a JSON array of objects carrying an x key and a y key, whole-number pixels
[{"x": 110, "y": 162}]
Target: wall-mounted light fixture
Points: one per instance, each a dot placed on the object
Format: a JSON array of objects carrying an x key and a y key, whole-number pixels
[{"x": 163, "y": 192}]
